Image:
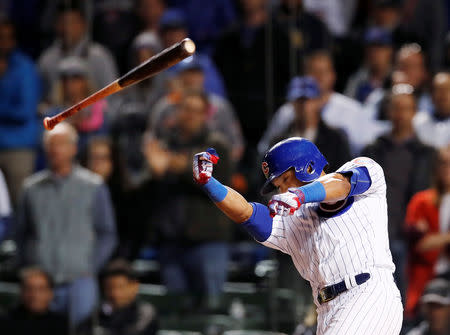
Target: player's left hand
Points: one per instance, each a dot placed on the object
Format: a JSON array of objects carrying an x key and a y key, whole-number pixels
[
  {"x": 285, "y": 204},
  {"x": 202, "y": 166}
]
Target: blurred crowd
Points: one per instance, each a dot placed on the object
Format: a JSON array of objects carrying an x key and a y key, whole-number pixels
[{"x": 114, "y": 183}]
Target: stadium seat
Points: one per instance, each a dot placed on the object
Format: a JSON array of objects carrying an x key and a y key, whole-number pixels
[{"x": 251, "y": 332}]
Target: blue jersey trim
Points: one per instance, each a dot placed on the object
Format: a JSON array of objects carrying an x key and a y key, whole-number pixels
[
  {"x": 329, "y": 214},
  {"x": 360, "y": 180},
  {"x": 260, "y": 223}
]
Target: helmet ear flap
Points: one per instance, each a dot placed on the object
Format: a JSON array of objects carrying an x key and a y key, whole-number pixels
[{"x": 310, "y": 169}]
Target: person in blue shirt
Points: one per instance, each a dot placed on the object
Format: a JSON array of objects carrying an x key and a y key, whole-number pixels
[
  {"x": 19, "y": 97},
  {"x": 173, "y": 28},
  {"x": 206, "y": 20}
]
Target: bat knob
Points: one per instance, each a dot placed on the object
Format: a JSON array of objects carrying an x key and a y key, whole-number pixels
[{"x": 48, "y": 124}]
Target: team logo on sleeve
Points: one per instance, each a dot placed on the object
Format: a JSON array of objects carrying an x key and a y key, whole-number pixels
[{"x": 265, "y": 168}]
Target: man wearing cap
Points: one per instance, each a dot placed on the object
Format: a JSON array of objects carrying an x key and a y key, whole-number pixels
[
  {"x": 191, "y": 75},
  {"x": 435, "y": 303},
  {"x": 377, "y": 65},
  {"x": 73, "y": 40},
  {"x": 337, "y": 110},
  {"x": 130, "y": 111},
  {"x": 173, "y": 28},
  {"x": 304, "y": 95}
]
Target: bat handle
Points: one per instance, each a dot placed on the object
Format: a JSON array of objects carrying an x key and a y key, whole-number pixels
[{"x": 50, "y": 123}]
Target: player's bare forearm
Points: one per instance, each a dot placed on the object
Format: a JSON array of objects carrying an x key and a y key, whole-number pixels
[
  {"x": 235, "y": 206},
  {"x": 337, "y": 187},
  {"x": 230, "y": 202}
]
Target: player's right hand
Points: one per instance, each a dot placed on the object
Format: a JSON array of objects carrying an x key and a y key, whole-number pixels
[
  {"x": 284, "y": 204},
  {"x": 202, "y": 166}
]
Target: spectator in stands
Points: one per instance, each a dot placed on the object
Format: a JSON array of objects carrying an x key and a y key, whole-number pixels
[
  {"x": 73, "y": 85},
  {"x": 255, "y": 72},
  {"x": 66, "y": 225},
  {"x": 73, "y": 40},
  {"x": 150, "y": 13},
  {"x": 304, "y": 95},
  {"x": 190, "y": 75},
  {"x": 307, "y": 32},
  {"x": 337, "y": 14},
  {"x": 387, "y": 14},
  {"x": 410, "y": 60},
  {"x": 115, "y": 24},
  {"x": 337, "y": 110},
  {"x": 409, "y": 68},
  {"x": 434, "y": 128},
  {"x": 377, "y": 66},
  {"x": 193, "y": 233},
  {"x": 427, "y": 22},
  {"x": 435, "y": 305},
  {"x": 207, "y": 20},
  {"x": 103, "y": 158},
  {"x": 19, "y": 96},
  {"x": 33, "y": 314},
  {"x": 121, "y": 312},
  {"x": 5, "y": 208},
  {"x": 173, "y": 28},
  {"x": 407, "y": 165},
  {"x": 427, "y": 224},
  {"x": 129, "y": 114}
]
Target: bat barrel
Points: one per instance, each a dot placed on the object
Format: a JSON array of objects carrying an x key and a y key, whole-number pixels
[
  {"x": 159, "y": 62},
  {"x": 149, "y": 68}
]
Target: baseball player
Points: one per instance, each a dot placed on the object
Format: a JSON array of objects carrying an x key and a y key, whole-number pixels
[{"x": 334, "y": 226}]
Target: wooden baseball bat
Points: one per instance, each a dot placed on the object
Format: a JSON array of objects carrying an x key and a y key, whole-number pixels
[{"x": 159, "y": 62}]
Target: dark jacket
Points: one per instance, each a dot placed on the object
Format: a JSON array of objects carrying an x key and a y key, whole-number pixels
[
  {"x": 20, "y": 322},
  {"x": 331, "y": 142},
  {"x": 136, "y": 319},
  {"x": 184, "y": 213},
  {"x": 242, "y": 57},
  {"x": 139, "y": 318},
  {"x": 419, "y": 178}
]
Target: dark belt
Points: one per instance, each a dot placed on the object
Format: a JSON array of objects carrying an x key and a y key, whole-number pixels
[{"x": 328, "y": 293}]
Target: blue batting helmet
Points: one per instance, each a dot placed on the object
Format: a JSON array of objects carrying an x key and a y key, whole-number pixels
[{"x": 297, "y": 153}]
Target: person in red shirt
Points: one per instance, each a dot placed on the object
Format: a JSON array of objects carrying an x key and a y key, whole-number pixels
[{"x": 429, "y": 232}]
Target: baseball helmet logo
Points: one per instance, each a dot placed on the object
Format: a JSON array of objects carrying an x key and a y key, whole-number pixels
[{"x": 265, "y": 168}]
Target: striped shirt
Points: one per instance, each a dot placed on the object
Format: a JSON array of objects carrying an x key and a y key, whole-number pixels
[{"x": 326, "y": 247}]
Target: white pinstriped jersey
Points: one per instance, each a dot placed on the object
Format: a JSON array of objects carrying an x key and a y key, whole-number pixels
[{"x": 326, "y": 249}]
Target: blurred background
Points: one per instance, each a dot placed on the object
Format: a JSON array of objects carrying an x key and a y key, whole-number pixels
[{"x": 102, "y": 229}]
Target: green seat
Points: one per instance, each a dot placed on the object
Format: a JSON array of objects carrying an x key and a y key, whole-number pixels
[
  {"x": 250, "y": 332},
  {"x": 177, "y": 332},
  {"x": 9, "y": 294}
]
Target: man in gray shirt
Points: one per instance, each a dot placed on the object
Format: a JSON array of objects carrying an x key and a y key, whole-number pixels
[
  {"x": 66, "y": 225},
  {"x": 73, "y": 40}
]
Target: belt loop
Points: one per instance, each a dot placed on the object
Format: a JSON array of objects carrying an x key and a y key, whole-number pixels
[
  {"x": 353, "y": 281},
  {"x": 347, "y": 281}
]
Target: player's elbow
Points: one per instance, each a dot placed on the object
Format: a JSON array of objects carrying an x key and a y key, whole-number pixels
[
  {"x": 241, "y": 214},
  {"x": 244, "y": 215}
]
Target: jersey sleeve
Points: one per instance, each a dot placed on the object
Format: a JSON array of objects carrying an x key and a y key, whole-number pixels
[
  {"x": 265, "y": 229},
  {"x": 378, "y": 183},
  {"x": 278, "y": 237}
]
